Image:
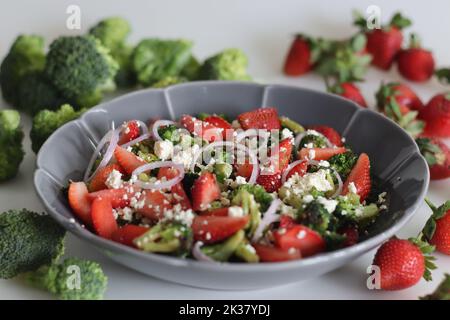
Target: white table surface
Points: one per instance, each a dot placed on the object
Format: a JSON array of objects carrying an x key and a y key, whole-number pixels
[{"x": 262, "y": 29}]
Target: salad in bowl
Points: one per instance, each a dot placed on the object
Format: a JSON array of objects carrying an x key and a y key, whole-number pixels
[{"x": 255, "y": 189}]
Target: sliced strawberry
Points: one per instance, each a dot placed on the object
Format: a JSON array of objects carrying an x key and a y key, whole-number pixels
[
  {"x": 244, "y": 170},
  {"x": 204, "y": 191},
  {"x": 220, "y": 123},
  {"x": 360, "y": 177},
  {"x": 130, "y": 132},
  {"x": 281, "y": 156},
  {"x": 270, "y": 182},
  {"x": 286, "y": 222},
  {"x": 179, "y": 195},
  {"x": 351, "y": 236},
  {"x": 219, "y": 212},
  {"x": 127, "y": 160},
  {"x": 268, "y": 253},
  {"x": 128, "y": 233},
  {"x": 319, "y": 153},
  {"x": 79, "y": 202},
  {"x": 155, "y": 204},
  {"x": 103, "y": 218},
  {"x": 298, "y": 60},
  {"x": 308, "y": 241},
  {"x": 210, "y": 229},
  {"x": 204, "y": 129},
  {"x": 119, "y": 198},
  {"x": 263, "y": 118},
  {"x": 332, "y": 135},
  {"x": 299, "y": 169},
  {"x": 98, "y": 182}
]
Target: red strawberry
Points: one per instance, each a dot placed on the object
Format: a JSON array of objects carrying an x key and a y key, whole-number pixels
[
  {"x": 129, "y": 132},
  {"x": 155, "y": 204},
  {"x": 280, "y": 156},
  {"x": 128, "y": 233},
  {"x": 98, "y": 181},
  {"x": 127, "y": 160},
  {"x": 319, "y": 153},
  {"x": 351, "y": 236},
  {"x": 415, "y": 63},
  {"x": 360, "y": 177},
  {"x": 401, "y": 264},
  {"x": 437, "y": 228},
  {"x": 286, "y": 222},
  {"x": 350, "y": 91},
  {"x": 119, "y": 198},
  {"x": 270, "y": 182},
  {"x": 210, "y": 229},
  {"x": 267, "y": 253},
  {"x": 299, "y": 169},
  {"x": 79, "y": 202},
  {"x": 406, "y": 98},
  {"x": 244, "y": 170},
  {"x": 204, "y": 129},
  {"x": 298, "y": 60},
  {"x": 102, "y": 218},
  {"x": 262, "y": 118},
  {"x": 204, "y": 191},
  {"x": 308, "y": 241},
  {"x": 179, "y": 195},
  {"x": 220, "y": 123},
  {"x": 332, "y": 135},
  {"x": 436, "y": 114},
  {"x": 219, "y": 212},
  {"x": 437, "y": 155}
]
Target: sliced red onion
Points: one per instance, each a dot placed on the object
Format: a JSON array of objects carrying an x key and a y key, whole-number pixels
[
  {"x": 158, "y": 184},
  {"x": 269, "y": 217},
  {"x": 141, "y": 138},
  {"x": 253, "y": 157},
  {"x": 198, "y": 253},
  {"x": 340, "y": 184},
  {"x": 301, "y": 135},
  {"x": 111, "y": 137},
  {"x": 160, "y": 123},
  {"x": 289, "y": 168}
]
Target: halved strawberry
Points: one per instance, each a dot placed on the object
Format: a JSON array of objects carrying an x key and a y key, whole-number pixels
[
  {"x": 332, "y": 135},
  {"x": 155, "y": 203},
  {"x": 360, "y": 177},
  {"x": 270, "y": 182},
  {"x": 129, "y": 132},
  {"x": 244, "y": 170},
  {"x": 128, "y": 233},
  {"x": 103, "y": 218},
  {"x": 179, "y": 195},
  {"x": 127, "y": 160},
  {"x": 280, "y": 156},
  {"x": 220, "y": 123},
  {"x": 204, "y": 191},
  {"x": 319, "y": 153},
  {"x": 262, "y": 118},
  {"x": 204, "y": 129},
  {"x": 98, "y": 182},
  {"x": 119, "y": 198},
  {"x": 219, "y": 212},
  {"x": 308, "y": 241},
  {"x": 299, "y": 169},
  {"x": 286, "y": 221},
  {"x": 210, "y": 229},
  {"x": 79, "y": 202},
  {"x": 267, "y": 253},
  {"x": 351, "y": 236}
]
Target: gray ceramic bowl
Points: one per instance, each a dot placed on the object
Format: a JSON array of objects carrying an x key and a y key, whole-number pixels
[{"x": 395, "y": 159}]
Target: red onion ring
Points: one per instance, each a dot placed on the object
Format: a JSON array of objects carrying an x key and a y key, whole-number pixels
[
  {"x": 198, "y": 253},
  {"x": 112, "y": 137},
  {"x": 269, "y": 217},
  {"x": 159, "y": 123},
  {"x": 141, "y": 138},
  {"x": 289, "y": 168},
  {"x": 300, "y": 136},
  {"x": 158, "y": 185}
]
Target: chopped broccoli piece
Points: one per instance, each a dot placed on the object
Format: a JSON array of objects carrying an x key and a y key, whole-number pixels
[
  {"x": 11, "y": 151},
  {"x": 125, "y": 77},
  {"x": 246, "y": 200},
  {"x": 156, "y": 59},
  {"x": 343, "y": 163},
  {"x": 350, "y": 208},
  {"x": 169, "y": 133},
  {"x": 246, "y": 252},
  {"x": 191, "y": 69},
  {"x": 292, "y": 125},
  {"x": 316, "y": 217},
  {"x": 316, "y": 141},
  {"x": 168, "y": 81},
  {"x": 230, "y": 64},
  {"x": 223, "y": 251},
  {"x": 81, "y": 68},
  {"x": 112, "y": 32},
  {"x": 72, "y": 279},
  {"x": 261, "y": 195},
  {"x": 26, "y": 55},
  {"x": 47, "y": 121},
  {"x": 28, "y": 240},
  {"x": 333, "y": 240},
  {"x": 223, "y": 171}
]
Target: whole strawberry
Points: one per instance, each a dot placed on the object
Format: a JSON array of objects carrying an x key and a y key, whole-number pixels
[
  {"x": 436, "y": 114},
  {"x": 437, "y": 155},
  {"x": 406, "y": 98},
  {"x": 415, "y": 63},
  {"x": 402, "y": 263},
  {"x": 437, "y": 228},
  {"x": 385, "y": 43},
  {"x": 299, "y": 60},
  {"x": 350, "y": 91}
]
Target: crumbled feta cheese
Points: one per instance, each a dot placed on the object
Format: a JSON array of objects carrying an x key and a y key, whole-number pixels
[
  {"x": 286, "y": 133},
  {"x": 311, "y": 154},
  {"x": 301, "y": 234},
  {"x": 292, "y": 250},
  {"x": 163, "y": 149},
  {"x": 208, "y": 236},
  {"x": 235, "y": 211},
  {"x": 312, "y": 132},
  {"x": 309, "y": 145},
  {"x": 302, "y": 185},
  {"x": 125, "y": 213},
  {"x": 308, "y": 198},
  {"x": 240, "y": 180},
  {"x": 381, "y": 197},
  {"x": 178, "y": 214},
  {"x": 329, "y": 205},
  {"x": 185, "y": 157},
  {"x": 324, "y": 163},
  {"x": 282, "y": 231},
  {"x": 114, "y": 180},
  {"x": 352, "y": 187}
]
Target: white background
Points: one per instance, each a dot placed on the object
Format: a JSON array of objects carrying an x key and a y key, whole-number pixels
[{"x": 263, "y": 29}]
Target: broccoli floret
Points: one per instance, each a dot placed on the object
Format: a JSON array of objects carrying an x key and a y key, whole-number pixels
[
  {"x": 261, "y": 195},
  {"x": 191, "y": 69},
  {"x": 11, "y": 151},
  {"x": 343, "y": 163},
  {"x": 80, "y": 67},
  {"x": 230, "y": 64},
  {"x": 317, "y": 141},
  {"x": 112, "y": 32},
  {"x": 125, "y": 77},
  {"x": 168, "y": 81},
  {"x": 156, "y": 59},
  {"x": 47, "y": 121},
  {"x": 223, "y": 251},
  {"x": 28, "y": 240},
  {"x": 316, "y": 217},
  {"x": 72, "y": 279},
  {"x": 350, "y": 209},
  {"x": 26, "y": 55}
]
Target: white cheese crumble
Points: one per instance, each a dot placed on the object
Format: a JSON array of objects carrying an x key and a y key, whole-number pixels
[
  {"x": 352, "y": 187},
  {"x": 114, "y": 180},
  {"x": 235, "y": 211},
  {"x": 308, "y": 198},
  {"x": 286, "y": 133},
  {"x": 178, "y": 214},
  {"x": 311, "y": 154},
  {"x": 301, "y": 234},
  {"x": 329, "y": 205},
  {"x": 185, "y": 157},
  {"x": 302, "y": 185},
  {"x": 240, "y": 180},
  {"x": 163, "y": 149}
]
